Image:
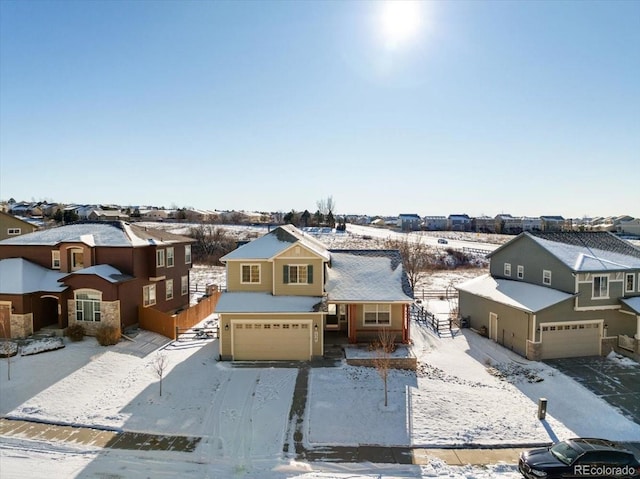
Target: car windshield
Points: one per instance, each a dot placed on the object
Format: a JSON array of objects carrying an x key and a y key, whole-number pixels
[{"x": 564, "y": 452}]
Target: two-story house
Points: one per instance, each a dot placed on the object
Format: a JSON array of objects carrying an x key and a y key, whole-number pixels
[
  {"x": 285, "y": 289},
  {"x": 92, "y": 274},
  {"x": 12, "y": 226},
  {"x": 552, "y": 295}
]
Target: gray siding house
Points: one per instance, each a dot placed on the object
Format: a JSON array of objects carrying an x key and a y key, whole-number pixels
[{"x": 563, "y": 294}]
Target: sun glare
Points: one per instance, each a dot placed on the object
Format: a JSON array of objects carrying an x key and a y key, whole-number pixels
[{"x": 400, "y": 21}]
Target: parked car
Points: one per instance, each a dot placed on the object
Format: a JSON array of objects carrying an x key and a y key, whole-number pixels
[
  {"x": 580, "y": 457},
  {"x": 442, "y": 241}
]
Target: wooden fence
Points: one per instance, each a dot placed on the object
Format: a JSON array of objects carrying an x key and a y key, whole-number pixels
[
  {"x": 166, "y": 323},
  {"x": 442, "y": 294}
]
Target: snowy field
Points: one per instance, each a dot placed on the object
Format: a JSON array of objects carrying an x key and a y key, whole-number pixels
[{"x": 467, "y": 390}]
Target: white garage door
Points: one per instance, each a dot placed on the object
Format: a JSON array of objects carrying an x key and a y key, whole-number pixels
[
  {"x": 271, "y": 340},
  {"x": 570, "y": 340}
]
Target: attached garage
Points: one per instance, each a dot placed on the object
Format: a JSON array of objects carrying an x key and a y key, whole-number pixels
[
  {"x": 570, "y": 339},
  {"x": 271, "y": 340}
]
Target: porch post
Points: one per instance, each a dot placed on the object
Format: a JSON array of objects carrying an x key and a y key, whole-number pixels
[
  {"x": 353, "y": 338},
  {"x": 637, "y": 326}
]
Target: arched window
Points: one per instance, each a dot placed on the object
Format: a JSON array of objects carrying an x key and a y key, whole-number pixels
[{"x": 88, "y": 305}]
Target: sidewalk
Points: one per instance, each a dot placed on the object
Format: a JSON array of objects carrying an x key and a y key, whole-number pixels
[{"x": 149, "y": 442}]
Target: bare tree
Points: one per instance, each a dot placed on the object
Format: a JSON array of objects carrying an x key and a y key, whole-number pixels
[
  {"x": 416, "y": 258},
  {"x": 326, "y": 204},
  {"x": 159, "y": 365},
  {"x": 382, "y": 360}
]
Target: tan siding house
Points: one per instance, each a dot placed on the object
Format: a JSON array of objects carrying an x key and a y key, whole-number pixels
[{"x": 285, "y": 290}]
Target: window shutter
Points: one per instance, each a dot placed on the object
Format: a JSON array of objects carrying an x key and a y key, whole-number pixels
[
  {"x": 310, "y": 274},
  {"x": 285, "y": 274}
]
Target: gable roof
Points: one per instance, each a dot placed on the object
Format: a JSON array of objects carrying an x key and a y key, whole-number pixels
[
  {"x": 586, "y": 251},
  {"x": 104, "y": 271},
  {"x": 102, "y": 233},
  {"x": 21, "y": 276},
  {"x": 367, "y": 275},
  {"x": 276, "y": 242},
  {"x": 516, "y": 294}
]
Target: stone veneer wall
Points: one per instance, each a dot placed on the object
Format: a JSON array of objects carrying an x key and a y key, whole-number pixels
[
  {"x": 21, "y": 325},
  {"x": 109, "y": 316},
  {"x": 534, "y": 350}
]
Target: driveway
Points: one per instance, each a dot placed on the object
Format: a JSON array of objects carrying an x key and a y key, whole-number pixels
[{"x": 615, "y": 381}]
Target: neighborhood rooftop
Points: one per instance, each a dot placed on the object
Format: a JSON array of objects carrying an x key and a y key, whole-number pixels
[{"x": 111, "y": 233}]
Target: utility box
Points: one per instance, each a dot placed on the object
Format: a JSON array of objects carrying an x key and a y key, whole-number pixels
[{"x": 542, "y": 408}]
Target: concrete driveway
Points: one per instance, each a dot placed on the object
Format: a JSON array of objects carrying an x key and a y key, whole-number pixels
[{"x": 617, "y": 382}]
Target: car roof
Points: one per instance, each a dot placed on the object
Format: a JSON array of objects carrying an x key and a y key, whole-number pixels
[{"x": 595, "y": 444}]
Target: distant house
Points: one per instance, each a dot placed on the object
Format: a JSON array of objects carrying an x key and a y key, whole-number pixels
[
  {"x": 286, "y": 292},
  {"x": 107, "y": 215},
  {"x": 435, "y": 223},
  {"x": 409, "y": 222},
  {"x": 459, "y": 223},
  {"x": 629, "y": 227},
  {"x": 561, "y": 294},
  {"x": 552, "y": 223},
  {"x": 483, "y": 224},
  {"x": 91, "y": 274},
  {"x": 11, "y": 226}
]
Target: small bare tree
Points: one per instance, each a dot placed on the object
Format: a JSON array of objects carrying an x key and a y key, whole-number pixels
[
  {"x": 382, "y": 360},
  {"x": 159, "y": 366}
]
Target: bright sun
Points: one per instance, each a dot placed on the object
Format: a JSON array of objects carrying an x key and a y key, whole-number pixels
[{"x": 400, "y": 21}]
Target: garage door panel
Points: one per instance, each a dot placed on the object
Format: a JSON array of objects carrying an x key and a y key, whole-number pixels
[
  {"x": 271, "y": 340},
  {"x": 570, "y": 340}
]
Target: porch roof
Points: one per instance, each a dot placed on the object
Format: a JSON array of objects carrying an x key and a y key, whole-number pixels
[
  {"x": 20, "y": 276},
  {"x": 516, "y": 294},
  {"x": 632, "y": 303},
  {"x": 104, "y": 271},
  {"x": 250, "y": 302}
]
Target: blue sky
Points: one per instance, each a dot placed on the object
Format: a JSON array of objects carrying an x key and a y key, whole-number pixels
[{"x": 527, "y": 107}]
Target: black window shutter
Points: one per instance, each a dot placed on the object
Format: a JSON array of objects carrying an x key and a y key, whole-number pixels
[
  {"x": 285, "y": 274},
  {"x": 310, "y": 274}
]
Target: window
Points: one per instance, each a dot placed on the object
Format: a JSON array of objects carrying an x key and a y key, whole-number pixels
[
  {"x": 546, "y": 277},
  {"x": 170, "y": 257},
  {"x": 377, "y": 314},
  {"x": 520, "y": 271},
  {"x": 88, "y": 305},
  {"x": 187, "y": 254},
  {"x": 77, "y": 259},
  {"x": 600, "y": 287},
  {"x": 184, "y": 285},
  {"x": 13, "y": 231},
  {"x": 507, "y": 269},
  {"x": 169, "y": 289},
  {"x": 298, "y": 274},
  {"x": 149, "y": 295},
  {"x": 629, "y": 283},
  {"x": 250, "y": 273},
  {"x": 160, "y": 258},
  {"x": 55, "y": 259}
]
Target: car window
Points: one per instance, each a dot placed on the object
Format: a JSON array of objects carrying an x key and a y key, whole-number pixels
[
  {"x": 609, "y": 458},
  {"x": 564, "y": 452}
]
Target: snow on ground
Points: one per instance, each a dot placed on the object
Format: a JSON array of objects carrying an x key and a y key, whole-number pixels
[{"x": 467, "y": 390}]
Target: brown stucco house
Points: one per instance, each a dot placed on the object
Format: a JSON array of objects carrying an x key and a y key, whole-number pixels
[
  {"x": 559, "y": 294},
  {"x": 286, "y": 291},
  {"x": 92, "y": 274}
]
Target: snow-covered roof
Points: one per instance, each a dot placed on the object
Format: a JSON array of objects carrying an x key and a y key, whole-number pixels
[
  {"x": 102, "y": 233},
  {"x": 632, "y": 303},
  {"x": 104, "y": 271},
  {"x": 250, "y": 302},
  {"x": 275, "y": 242},
  {"x": 367, "y": 275},
  {"x": 516, "y": 294},
  {"x": 20, "y": 276}
]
